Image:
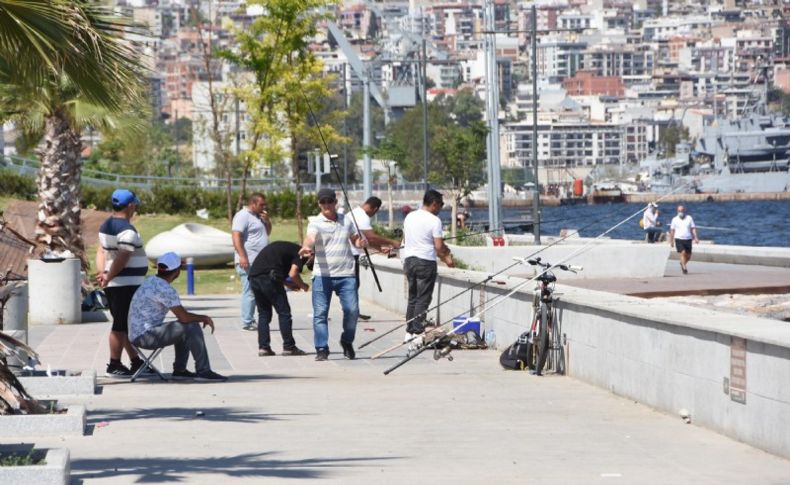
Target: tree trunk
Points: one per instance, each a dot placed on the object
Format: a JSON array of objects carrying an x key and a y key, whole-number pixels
[
  {"x": 390, "y": 208},
  {"x": 58, "y": 224},
  {"x": 229, "y": 189},
  {"x": 453, "y": 212},
  {"x": 298, "y": 181}
]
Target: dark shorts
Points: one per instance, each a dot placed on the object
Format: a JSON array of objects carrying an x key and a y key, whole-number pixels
[
  {"x": 683, "y": 245},
  {"x": 119, "y": 298}
]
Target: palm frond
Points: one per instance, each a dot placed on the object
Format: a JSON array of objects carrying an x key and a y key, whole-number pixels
[{"x": 45, "y": 39}]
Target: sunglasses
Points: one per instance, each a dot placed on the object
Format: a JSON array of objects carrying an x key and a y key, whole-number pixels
[{"x": 327, "y": 201}]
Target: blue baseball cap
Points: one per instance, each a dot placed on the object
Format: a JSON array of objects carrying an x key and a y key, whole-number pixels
[{"x": 123, "y": 197}]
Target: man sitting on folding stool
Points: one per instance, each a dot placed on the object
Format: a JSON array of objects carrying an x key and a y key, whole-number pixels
[{"x": 148, "y": 329}]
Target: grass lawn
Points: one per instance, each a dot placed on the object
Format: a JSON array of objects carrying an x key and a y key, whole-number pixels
[
  {"x": 207, "y": 280},
  {"x": 4, "y": 201}
]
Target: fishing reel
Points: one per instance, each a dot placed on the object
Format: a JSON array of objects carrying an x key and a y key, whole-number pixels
[
  {"x": 364, "y": 261},
  {"x": 441, "y": 353},
  {"x": 443, "y": 346}
]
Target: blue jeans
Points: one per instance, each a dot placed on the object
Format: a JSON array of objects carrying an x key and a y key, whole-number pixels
[
  {"x": 346, "y": 289},
  {"x": 247, "y": 299}
]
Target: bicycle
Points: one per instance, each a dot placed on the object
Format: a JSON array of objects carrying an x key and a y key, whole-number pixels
[{"x": 544, "y": 344}]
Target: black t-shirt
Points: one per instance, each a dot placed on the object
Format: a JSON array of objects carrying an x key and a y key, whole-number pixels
[{"x": 276, "y": 257}]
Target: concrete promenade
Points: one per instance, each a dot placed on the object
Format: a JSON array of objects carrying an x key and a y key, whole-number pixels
[
  {"x": 290, "y": 418},
  {"x": 702, "y": 279}
]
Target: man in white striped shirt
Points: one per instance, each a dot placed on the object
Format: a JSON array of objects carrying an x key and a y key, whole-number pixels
[
  {"x": 121, "y": 266},
  {"x": 329, "y": 237}
]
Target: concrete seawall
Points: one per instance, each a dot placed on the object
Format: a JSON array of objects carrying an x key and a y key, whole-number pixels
[{"x": 729, "y": 371}]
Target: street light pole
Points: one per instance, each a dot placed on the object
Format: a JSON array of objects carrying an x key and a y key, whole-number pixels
[
  {"x": 366, "y": 169},
  {"x": 536, "y": 192},
  {"x": 424, "y": 71}
]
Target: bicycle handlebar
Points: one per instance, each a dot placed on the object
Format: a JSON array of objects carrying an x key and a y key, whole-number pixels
[{"x": 538, "y": 262}]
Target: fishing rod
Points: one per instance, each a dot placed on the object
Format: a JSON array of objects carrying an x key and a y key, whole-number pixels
[
  {"x": 343, "y": 188},
  {"x": 461, "y": 236},
  {"x": 488, "y": 305},
  {"x": 480, "y": 283}
]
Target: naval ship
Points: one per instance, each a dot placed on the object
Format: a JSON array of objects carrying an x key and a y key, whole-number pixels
[{"x": 751, "y": 154}]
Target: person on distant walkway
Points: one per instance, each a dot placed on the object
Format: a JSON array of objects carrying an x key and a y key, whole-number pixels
[
  {"x": 148, "y": 329},
  {"x": 278, "y": 264},
  {"x": 651, "y": 223},
  {"x": 681, "y": 232},
  {"x": 362, "y": 214},
  {"x": 329, "y": 238},
  {"x": 251, "y": 229},
  {"x": 121, "y": 267},
  {"x": 422, "y": 243}
]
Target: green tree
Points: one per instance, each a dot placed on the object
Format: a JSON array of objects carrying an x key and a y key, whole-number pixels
[
  {"x": 671, "y": 136},
  {"x": 456, "y": 158},
  {"x": 289, "y": 86},
  {"x": 64, "y": 65}
]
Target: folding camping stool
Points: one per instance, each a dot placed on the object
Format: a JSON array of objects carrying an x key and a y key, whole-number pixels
[{"x": 148, "y": 361}]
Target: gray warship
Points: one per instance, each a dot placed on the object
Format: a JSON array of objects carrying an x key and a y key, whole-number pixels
[{"x": 751, "y": 154}]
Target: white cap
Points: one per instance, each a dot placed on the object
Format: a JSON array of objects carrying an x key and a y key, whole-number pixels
[
  {"x": 169, "y": 260},
  {"x": 652, "y": 204}
]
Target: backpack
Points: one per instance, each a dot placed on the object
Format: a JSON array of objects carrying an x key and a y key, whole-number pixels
[{"x": 515, "y": 356}]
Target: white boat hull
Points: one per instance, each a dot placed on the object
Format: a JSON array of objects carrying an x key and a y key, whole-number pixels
[{"x": 206, "y": 245}]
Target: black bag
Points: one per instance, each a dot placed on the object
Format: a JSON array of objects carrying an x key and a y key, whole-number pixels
[{"x": 515, "y": 356}]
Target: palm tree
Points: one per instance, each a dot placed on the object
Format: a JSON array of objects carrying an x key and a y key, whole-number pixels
[{"x": 64, "y": 65}]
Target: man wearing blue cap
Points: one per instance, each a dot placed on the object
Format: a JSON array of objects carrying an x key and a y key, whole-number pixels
[{"x": 121, "y": 267}]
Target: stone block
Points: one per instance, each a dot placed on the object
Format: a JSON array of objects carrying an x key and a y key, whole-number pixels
[
  {"x": 72, "y": 422},
  {"x": 62, "y": 383},
  {"x": 54, "y": 471}
]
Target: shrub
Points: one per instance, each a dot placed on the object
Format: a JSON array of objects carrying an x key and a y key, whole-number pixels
[
  {"x": 13, "y": 184},
  {"x": 164, "y": 199}
]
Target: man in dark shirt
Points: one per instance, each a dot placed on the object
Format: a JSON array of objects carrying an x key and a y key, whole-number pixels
[{"x": 278, "y": 264}]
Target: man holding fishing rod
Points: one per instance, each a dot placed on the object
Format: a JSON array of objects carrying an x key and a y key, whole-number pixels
[
  {"x": 330, "y": 237},
  {"x": 362, "y": 214},
  {"x": 422, "y": 245}
]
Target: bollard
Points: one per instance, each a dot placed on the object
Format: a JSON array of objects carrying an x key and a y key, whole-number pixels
[{"x": 190, "y": 276}]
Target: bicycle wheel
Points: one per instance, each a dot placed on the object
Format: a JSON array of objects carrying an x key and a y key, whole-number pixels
[
  {"x": 532, "y": 348},
  {"x": 557, "y": 350},
  {"x": 542, "y": 340}
]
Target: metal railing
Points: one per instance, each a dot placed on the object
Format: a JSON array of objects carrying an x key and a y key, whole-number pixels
[{"x": 26, "y": 166}]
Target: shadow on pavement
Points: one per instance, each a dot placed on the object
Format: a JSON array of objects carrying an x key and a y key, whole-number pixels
[
  {"x": 221, "y": 414},
  {"x": 232, "y": 378},
  {"x": 178, "y": 469}
]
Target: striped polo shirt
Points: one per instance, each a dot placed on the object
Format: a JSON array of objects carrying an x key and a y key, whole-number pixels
[
  {"x": 333, "y": 256},
  {"x": 118, "y": 234}
]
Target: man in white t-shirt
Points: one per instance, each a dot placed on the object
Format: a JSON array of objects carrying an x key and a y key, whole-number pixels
[
  {"x": 682, "y": 231},
  {"x": 422, "y": 244},
  {"x": 362, "y": 215},
  {"x": 250, "y": 228},
  {"x": 651, "y": 224}
]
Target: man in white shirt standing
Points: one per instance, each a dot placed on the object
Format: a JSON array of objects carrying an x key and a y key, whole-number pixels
[
  {"x": 651, "y": 223},
  {"x": 362, "y": 214},
  {"x": 681, "y": 232},
  {"x": 251, "y": 228},
  {"x": 422, "y": 245}
]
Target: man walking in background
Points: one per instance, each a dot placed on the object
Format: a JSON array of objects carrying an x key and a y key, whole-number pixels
[
  {"x": 277, "y": 266},
  {"x": 251, "y": 228},
  {"x": 681, "y": 232},
  {"x": 329, "y": 238},
  {"x": 362, "y": 215},
  {"x": 422, "y": 244},
  {"x": 121, "y": 266}
]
